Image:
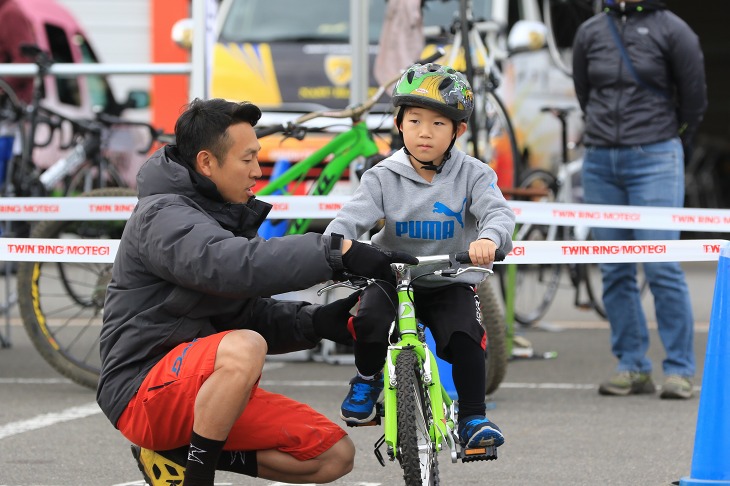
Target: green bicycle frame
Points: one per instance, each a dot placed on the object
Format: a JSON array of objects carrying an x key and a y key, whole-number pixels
[
  {"x": 439, "y": 398},
  {"x": 344, "y": 148}
]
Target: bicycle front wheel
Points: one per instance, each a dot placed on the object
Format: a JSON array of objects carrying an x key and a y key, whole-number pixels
[
  {"x": 495, "y": 327},
  {"x": 61, "y": 304},
  {"x": 536, "y": 284},
  {"x": 416, "y": 450}
]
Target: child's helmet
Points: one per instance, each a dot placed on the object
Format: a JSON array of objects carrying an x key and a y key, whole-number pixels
[{"x": 437, "y": 87}]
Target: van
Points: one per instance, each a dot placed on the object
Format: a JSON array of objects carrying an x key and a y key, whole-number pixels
[
  {"x": 60, "y": 34},
  {"x": 290, "y": 61}
]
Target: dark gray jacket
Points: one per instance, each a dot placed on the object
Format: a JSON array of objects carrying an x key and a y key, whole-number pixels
[
  {"x": 666, "y": 54},
  {"x": 189, "y": 265}
]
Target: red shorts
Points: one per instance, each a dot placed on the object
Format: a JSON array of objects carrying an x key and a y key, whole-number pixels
[{"x": 160, "y": 415}]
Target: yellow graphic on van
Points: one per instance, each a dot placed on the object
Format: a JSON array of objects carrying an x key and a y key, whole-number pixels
[
  {"x": 338, "y": 69},
  {"x": 245, "y": 72}
]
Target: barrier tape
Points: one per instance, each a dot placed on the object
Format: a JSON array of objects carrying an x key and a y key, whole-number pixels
[
  {"x": 326, "y": 207},
  {"x": 527, "y": 252}
]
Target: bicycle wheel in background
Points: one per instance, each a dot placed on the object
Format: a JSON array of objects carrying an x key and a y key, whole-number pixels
[
  {"x": 416, "y": 451},
  {"x": 535, "y": 284},
  {"x": 87, "y": 179},
  {"x": 495, "y": 327},
  {"x": 61, "y": 304},
  {"x": 562, "y": 19},
  {"x": 496, "y": 138}
]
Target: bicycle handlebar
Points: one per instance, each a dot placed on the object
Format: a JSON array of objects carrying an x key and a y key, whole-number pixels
[
  {"x": 79, "y": 126},
  {"x": 354, "y": 112},
  {"x": 463, "y": 256}
]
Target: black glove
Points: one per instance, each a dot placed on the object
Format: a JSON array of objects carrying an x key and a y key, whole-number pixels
[
  {"x": 370, "y": 261},
  {"x": 330, "y": 320}
]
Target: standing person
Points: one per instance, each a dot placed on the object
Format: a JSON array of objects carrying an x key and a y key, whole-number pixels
[
  {"x": 186, "y": 330},
  {"x": 639, "y": 76},
  {"x": 435, "y": 199}
]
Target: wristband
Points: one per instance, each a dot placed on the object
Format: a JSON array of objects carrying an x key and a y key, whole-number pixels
[{"x": 335, "y": 253}]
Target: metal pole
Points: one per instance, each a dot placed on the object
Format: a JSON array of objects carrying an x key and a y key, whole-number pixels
[
  {"x": 198, "y": 75},
  {"x": 359, "y": 45},
  {"x": 76, "y": 69}
]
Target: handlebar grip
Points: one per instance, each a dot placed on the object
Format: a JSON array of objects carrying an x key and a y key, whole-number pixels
[
  {"x": 463, "y": 256},
  {"x": 266, "y": 131}
]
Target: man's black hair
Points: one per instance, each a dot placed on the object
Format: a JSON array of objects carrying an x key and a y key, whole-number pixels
[{"x": 204, "y": 124}]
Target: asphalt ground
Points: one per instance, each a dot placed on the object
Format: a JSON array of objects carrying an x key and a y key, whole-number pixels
[{"x": 558, "y": 430}]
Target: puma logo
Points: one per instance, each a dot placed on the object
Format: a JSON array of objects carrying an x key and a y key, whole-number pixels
[{"x": 441, "y": 208}]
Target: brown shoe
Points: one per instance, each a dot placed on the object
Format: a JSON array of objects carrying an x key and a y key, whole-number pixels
[
  {"x": 676, "y": 386},
  {"x": 627, "y": 383}
]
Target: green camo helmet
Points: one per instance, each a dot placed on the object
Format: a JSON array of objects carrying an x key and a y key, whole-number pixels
[{"x": 437, "y": 87}]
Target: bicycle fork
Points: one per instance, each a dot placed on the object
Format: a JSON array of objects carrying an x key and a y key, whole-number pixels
[{"x": 441, "y": 428}]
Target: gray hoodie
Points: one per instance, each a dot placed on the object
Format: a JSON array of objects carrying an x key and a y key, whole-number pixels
[{"x": 460, "y": 205}]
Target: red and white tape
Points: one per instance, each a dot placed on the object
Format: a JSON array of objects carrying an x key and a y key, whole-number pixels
[
  {"x": 527, "y": 252},
  {"x": 326, "y": 207}
]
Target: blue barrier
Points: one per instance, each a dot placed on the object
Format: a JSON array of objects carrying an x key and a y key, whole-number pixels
[
  {"x": 444, "y": 368},
  {"x": 711, "y": 455},
  {"x": 271, "y": 228}
]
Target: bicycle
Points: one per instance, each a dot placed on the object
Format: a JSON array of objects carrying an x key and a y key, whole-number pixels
[
  {"x": 536, "y": 285},
  {"x": 60, "y": 303},
  {"x": 490, "y": 125},
  {"x": 356, "y": 146},
  {"x": 418, "y": 415}
]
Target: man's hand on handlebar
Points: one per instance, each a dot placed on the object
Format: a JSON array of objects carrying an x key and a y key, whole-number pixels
[{"x": 370, "y": 261}]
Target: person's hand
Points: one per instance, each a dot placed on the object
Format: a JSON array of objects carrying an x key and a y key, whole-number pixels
[
  {"x": 331, "y": 320},
  {"x": 370, "y": 261},
  {"x": 481, "y": 252}
]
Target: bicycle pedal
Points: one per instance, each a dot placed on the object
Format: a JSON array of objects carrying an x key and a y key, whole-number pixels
[
  {"x": 375, "y": 421},
  {"x": 488, "y": 453}
]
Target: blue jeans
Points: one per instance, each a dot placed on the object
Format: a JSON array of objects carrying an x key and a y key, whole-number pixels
[{"x": 646, "y": 175}]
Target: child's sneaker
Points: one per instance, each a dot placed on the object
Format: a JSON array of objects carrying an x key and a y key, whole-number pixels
[
  {"x": 359, "y": 404},
  {"x": 478, "y": 431},
  {"x": 156, "y": 469}
]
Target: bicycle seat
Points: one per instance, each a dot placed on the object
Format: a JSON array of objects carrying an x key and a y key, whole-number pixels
[{"x": 559, "y": 111}]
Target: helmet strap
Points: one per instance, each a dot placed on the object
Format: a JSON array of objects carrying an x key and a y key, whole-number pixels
[{"x": 429, "y": 165}]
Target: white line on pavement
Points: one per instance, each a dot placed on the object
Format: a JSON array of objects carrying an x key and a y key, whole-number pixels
[{"x": 48, "y": 419}]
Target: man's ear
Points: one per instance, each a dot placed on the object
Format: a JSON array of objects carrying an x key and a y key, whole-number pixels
[
  {"x": 460, "y": 129},
  {"x": 203, "y": 161}
]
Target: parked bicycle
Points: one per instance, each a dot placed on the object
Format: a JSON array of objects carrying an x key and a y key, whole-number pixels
[
  {"x": 491, "y": 136},
  {"x": 61, "y": 303},
  {"x": 418, "y": 414},
  {"x": 537, "y": 284}
]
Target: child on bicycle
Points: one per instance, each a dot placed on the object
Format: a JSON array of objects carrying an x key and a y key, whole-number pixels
[{"x": 435, "y": 199}]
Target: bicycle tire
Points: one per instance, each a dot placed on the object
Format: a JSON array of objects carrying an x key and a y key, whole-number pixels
[
  {"x": 416, "y": 450},
  {"x": 496, "y": 135},
  {"x": 494, "y": 324},
  {"x": 61, "y": 304},
  {"x": 74, "y": 184},
  {"x": 536, "y": 284}
]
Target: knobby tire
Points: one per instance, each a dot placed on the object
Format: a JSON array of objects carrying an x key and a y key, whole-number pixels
[
  {"x": 416, "y": 451},
  {"x": 495, "y": 326},
  {"x": 61, "y": 304}
]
